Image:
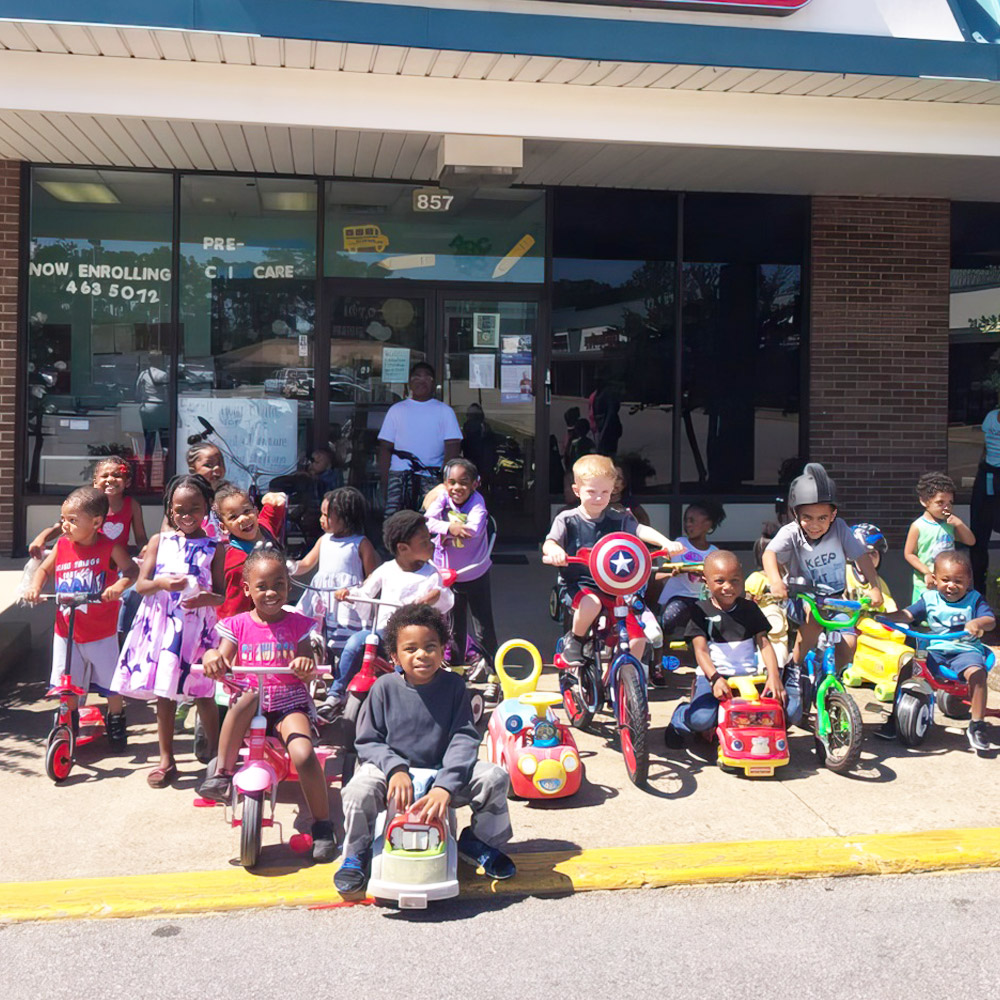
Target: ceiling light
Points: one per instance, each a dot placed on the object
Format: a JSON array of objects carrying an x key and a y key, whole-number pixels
[
  {"x": 80, "y": 192},
  {"x": 288, "y": 201}
]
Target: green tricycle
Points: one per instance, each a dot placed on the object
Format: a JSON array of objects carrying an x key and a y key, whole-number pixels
[{"x": 838, "y": 728}]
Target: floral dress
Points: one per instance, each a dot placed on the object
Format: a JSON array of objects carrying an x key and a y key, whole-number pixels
[{"x": 166, "y": 639}]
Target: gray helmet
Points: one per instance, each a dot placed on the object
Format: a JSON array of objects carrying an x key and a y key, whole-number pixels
[{"x": 813, "y": 486}]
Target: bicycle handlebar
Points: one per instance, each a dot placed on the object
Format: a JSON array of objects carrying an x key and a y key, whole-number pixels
[
  {"x": 73, "y": 598},
  {"x": 925, "y": 636},
  {"x": 815, "y": 602}
]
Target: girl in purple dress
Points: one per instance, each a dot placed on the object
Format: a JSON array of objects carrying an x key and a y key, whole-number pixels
[{"x": 181, "y": 581}]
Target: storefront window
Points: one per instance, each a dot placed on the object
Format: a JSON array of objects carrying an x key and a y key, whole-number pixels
[
  {"x": 403, "y": 231},
  {"x": 612, "y": 371},
  {"x": 99, "y": 291},
  {"x": 248, "y": 312},
  {"x": 742, "y": 336},
  {"x": 974, "y": 334}
]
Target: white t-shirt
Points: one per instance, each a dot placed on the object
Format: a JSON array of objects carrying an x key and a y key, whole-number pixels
[
  {"x": 389, "y": 582},
  {"x": 991, "y": 432},
  {"x": 421, "y": 429},
  {"x": 823, "y": 562},
  {"x": 686, "y": 584}
]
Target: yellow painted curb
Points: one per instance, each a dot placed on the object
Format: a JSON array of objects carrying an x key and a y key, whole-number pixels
[{"x": 537, "y": 874}]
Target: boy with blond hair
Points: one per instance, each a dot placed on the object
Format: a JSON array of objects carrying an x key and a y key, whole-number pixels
[{"x": 582, "y": 527}]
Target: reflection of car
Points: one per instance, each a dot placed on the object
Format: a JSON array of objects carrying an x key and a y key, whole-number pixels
[
  {"x": 343, "y": 388},
  {"x": 751, "y": 730}
]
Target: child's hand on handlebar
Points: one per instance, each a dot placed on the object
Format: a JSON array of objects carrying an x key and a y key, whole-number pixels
[
  {"x": 875, "y": 596},
  {"x": 721, "y": 688},
  {"x": 431, "y": 597},
  {"x": 303, "y": 667},
  {"x": 458, "y": 530},
  {"x": 556, "y": 556},
  {"x": 434, "y": 805},
  {"x": 400, "y": 789},
  {"x": 114, "y": 592},
  {"x": 779, "y": 590},
  {"x": 32, "y": 595},
  {"x": 974, "y": 630},
  {"x": 213, "y": 664},
  {"x": 673, "y": 548},
  {"x": 775, "y": 689},
  {"x": 344, "y": 594}
]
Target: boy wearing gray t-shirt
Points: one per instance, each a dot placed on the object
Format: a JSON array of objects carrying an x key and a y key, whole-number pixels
[{"x": 816, "y": 546}]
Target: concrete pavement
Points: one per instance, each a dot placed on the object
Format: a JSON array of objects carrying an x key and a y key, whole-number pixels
[{"x": 117, "y": 825}]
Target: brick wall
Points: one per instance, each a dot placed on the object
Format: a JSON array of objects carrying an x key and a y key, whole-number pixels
[
  {"x": 879, "y": 351},
  {"x": 10, "y": 180}
]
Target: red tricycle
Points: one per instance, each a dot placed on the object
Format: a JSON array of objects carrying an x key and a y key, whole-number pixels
[
  {"x": 66, "y": 735},
  {"x": 264, "y": 764}
]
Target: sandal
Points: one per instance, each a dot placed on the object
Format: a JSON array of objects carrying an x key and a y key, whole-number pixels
[{"x": 161, "y": 776}]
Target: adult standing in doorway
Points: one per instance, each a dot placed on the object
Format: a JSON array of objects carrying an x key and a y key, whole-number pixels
[
  {"x": 423, "y": 427},
  {"x": 985, "y": 511}
]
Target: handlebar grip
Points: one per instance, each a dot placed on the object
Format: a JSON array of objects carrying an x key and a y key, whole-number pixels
[{"x": 204, "y": 423}]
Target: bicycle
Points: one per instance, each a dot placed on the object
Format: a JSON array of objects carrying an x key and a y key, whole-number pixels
[
  {"x": 610, "y": 674},
  {"x": 406, "y": 492},
  {"x": 838, "y": 730}
]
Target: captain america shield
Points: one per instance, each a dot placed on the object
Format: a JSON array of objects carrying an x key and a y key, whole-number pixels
[{"x": 620, "y": 564}]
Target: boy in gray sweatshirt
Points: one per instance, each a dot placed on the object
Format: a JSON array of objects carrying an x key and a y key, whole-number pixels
[{"x": 422, "y": 718}]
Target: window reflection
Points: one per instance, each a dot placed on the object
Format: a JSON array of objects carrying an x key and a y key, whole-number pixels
[
  {"x": 248, "y": 312},
  {"x": 612, "y": 366},
  {"x": 99, "y": 290}
]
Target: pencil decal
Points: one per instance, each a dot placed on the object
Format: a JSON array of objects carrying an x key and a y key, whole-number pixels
[{"x": 514, "y": 254}]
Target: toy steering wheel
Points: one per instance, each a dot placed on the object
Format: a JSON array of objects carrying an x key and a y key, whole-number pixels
[{"x": 540, "y": 701}]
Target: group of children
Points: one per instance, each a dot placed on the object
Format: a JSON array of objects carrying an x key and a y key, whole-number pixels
[{"x": 214, "y": 588}]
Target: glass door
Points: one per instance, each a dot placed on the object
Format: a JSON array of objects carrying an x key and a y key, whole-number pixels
[
  {"x": 374, "y": 341},
  {"x": 490, "y": 381}
]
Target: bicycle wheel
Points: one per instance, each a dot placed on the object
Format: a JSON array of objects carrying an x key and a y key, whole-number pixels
[
  {"x": 952, "y": 706},
  {"x": 555, "y": 606},
  {"x": 250, "y": 828},
  {"x": 633, "y": 723},
  {"x": 58, "y": 758},
  {"x": 846, "y": 734},
  {"x": 913, "y": 717},
  {"x": 580, "y": 688}
]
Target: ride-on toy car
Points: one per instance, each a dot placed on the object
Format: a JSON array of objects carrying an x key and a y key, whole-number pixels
[
  {"x": 64, "y": 738},
  {"x": 414, "y": 861},
  {"x": 526, "y": 739},
  {"x": 919, "y": 692},
  {"x": 751, "y": 729},
  {"x": 620, "y": 565},
  {"x": 264, "y": 764},
  {"x": 880, "y": 656}
]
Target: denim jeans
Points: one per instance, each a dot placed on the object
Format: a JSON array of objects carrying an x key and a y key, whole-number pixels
[
  {"x": 702, "y": 712},
  {"x": 351, "y": 658}
]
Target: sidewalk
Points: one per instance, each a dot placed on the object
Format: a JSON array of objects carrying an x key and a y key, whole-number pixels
[{"x": 118, "y": 826}]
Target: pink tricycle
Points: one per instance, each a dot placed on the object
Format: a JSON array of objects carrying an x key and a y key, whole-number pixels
[{"x": 264, "y": 763}]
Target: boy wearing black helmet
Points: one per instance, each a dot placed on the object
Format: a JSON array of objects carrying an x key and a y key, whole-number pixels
[{"x": 817, "y": 546}]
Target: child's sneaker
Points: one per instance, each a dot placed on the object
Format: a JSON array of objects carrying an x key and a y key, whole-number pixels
[
  {"x": 491, "y": 694},
  {"x": 352, "y": 876},
  {"x": 218, "y": 788},
  {"x": 117, "y": 733},
  {"x": 977, "y": 736},
  {"x": 674, "y": 738},
  {"x": 324, "y": 842},
  {"x": 493, "y": 862},
  {"x": 331, "y": 709},
  {"x": 478, "y": 672},
  {"x": 572, "y": 651}
]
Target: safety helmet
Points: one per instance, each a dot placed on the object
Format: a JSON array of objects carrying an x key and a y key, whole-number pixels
[
  {"x": 872, "y": 537},
  {"x": 813, "y": 486}
]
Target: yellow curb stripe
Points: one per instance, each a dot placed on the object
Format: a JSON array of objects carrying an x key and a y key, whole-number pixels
[{"x": 538, "y": 874}]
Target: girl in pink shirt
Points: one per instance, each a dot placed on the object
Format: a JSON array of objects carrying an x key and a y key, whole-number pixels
[{"x": 270, "y": 635}]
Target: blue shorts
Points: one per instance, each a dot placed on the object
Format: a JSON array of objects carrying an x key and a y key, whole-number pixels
[{"x": 951, "y": 666}]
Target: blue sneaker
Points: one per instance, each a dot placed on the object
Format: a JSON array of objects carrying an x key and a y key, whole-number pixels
[
  {"x": 494, "y": 863},
  {"x": 352, "y": 876}
]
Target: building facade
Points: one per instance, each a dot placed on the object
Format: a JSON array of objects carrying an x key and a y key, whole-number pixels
[{"x": 712, "y": 240}]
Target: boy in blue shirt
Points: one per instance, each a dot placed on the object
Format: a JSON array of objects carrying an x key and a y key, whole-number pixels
[{"x": 953, "y": 606}]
